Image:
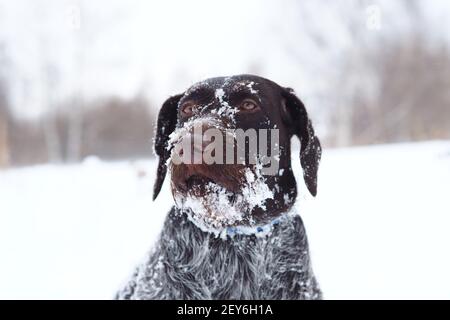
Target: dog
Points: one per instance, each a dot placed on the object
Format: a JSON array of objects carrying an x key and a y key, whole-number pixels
[{"x": 232, "y": 233}]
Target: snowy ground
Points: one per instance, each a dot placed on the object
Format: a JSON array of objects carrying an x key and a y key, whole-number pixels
[{"x": 379, "y": 228}]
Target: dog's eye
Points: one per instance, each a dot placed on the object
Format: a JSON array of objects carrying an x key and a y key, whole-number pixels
[
  {"x": 248, "y": 105},
  {"x": 187, "y": 109}
]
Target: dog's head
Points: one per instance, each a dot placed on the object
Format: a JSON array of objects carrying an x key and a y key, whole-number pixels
[{"x": 227, "y": 143}]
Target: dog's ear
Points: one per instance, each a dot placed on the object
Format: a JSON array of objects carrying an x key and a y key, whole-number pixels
[
  {"x": 296, "y": 117},
  {"x": 167, "y": 120}
]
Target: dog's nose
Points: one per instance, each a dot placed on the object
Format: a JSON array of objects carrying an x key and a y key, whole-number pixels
[{"x": 197, "y": 144}]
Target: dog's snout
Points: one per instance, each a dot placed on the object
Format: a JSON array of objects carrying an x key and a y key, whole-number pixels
[
  {"x": 198, "y": 136},
  {"x": 197, "y": 144}
]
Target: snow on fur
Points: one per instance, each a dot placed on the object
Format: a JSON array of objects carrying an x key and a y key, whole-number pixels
[
  {"x": 214, "y": 212},
  {"x": 188, "y": 263}
]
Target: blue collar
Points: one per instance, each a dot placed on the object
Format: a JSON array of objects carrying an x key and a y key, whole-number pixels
[{"x": 258, "y": 230}]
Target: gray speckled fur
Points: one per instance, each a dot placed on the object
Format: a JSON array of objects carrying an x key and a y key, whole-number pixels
[{"x": 188, "y": 263}]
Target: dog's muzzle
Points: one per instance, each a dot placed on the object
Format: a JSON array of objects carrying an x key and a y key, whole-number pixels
[
  {"x": 215, "y": 195},
  {"x": 199, "y": 157}
]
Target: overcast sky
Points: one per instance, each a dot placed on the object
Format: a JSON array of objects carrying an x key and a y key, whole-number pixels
[{"x": 96, "y": 48}]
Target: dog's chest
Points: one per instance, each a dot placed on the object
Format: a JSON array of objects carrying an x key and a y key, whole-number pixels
[{"x": 190, "y": 264}]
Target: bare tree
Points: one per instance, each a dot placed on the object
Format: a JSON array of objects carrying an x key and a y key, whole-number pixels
[
  {"x": 52, "y": 137},
  {"x": 410, "y": 83},
  {"x": 115, "y": 128},
  {"x": 75, "y": 125},
  {"x": 413, "y": 98},
  {"x": 4, "y": 112},
  {"x": 4, "y": 140},
  {"x": 346, "y": 76}
]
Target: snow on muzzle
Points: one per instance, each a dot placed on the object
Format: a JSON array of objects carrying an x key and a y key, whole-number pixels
[
  {"x": 207, "y": 141},
  {"x": 215, "y": 186},
  {"x": 203, "y": 152}
]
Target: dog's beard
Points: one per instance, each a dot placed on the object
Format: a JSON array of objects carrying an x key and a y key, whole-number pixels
[
  {"x": 213, "y": 207},
  {"x": 221, "y": 195}
]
